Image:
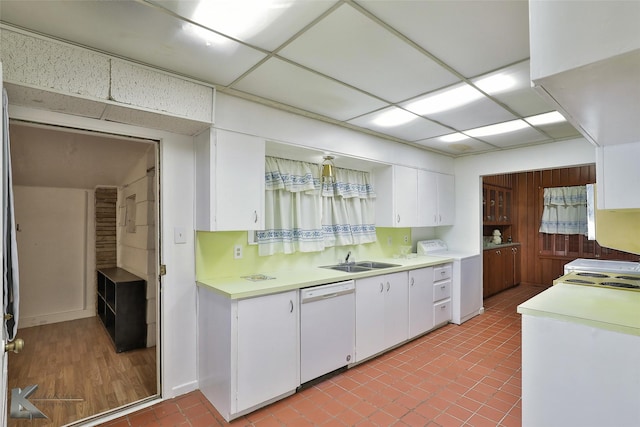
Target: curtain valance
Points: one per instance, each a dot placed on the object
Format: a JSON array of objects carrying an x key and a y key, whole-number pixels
[
  {"x": 290, "y": 175},
  {"x": 349, "y": 183}
]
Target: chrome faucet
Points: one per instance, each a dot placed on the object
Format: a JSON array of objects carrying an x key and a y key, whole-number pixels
[{"x": 346, "y": 260}]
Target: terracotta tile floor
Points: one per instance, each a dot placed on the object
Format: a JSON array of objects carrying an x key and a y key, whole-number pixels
[{"x": 466, "y": 375}]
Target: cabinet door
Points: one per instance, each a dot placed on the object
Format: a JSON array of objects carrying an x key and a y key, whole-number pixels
[
  {"x": 616, "y": 169},
  {"x": 267, "y": 349},
  {"x": 420, "y": 301},
  {"x": 370, "y": 295},
  {"x": 405, "y": 191},
  {"x": 495, "y": 271},
  {"x": 396, "y": 308},
  {"x": 239, "y": 181},
  {"x": 229, "y": 181},
  {"x": 516, "y": 265},
  {"x": 427, "y": 198},
  {"x": 446, "y": 199}
]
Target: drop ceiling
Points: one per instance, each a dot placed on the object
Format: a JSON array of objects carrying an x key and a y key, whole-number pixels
[{"x": 345, "y": 62}]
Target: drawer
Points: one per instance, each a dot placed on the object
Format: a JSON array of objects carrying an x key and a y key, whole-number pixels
[
  {"x": 442, "y": 312},
  {"x": 441, "y": 272},
  {"x": 441, "y": 290}
]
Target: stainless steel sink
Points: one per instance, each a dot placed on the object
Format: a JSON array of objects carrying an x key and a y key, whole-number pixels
[
  {"x": 348, "y": 268},
  {"x": 360, "y": 266},
  {"x": 375, "y": 265}
]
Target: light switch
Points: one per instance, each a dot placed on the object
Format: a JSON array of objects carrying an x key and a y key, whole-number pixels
[{"x": 179, "y": 235}]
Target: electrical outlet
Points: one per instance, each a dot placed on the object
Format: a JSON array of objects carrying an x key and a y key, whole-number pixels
[
  {"x": 237, "y": 251},
  {"x": 406, "y": 239}
]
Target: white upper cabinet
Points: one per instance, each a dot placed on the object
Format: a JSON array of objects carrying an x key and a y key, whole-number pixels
[
  {"x": 585, "y": 60},
  {"x": 229, "y": 181},
  {"x": 436, "y": 199},
  {"x": 617, "y": 174},
  {"x": 408, "y": 197},
  {"x": 396, "y": 196}
]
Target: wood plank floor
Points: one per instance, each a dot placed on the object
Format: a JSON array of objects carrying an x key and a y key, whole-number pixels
[{"x": 78, "y": 372}]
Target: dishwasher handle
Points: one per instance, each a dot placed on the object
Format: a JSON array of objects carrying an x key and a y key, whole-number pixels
[{"x": 319, "y": 293}]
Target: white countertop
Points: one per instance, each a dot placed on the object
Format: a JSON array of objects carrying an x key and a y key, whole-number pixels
[
  {"x": 286, "y": 280},
  {"x": 611, "y": 309}
]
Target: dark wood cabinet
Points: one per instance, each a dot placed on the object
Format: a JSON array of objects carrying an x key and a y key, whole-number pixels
[
  {"x": 121, "y": 306},
  {"x": 501, "y": 269},
  {"x": 497, "y": 205}
]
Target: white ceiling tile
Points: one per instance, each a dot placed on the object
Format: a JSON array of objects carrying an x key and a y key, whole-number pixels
[
  {"x": 418, "y": 128},
  {"x": 473, "y": 37},
  {"x": 263, "y": 23},
  {"x": 560, "y": 130},
  {"x": 352, "y": 48},
  {"x": 142, "y": 33},
  {"x": 527, "y": 135},
  {"x": 520, "y": 97},
  {"x": 478, "y": 112},
  {"x": 275, "y": 78}
]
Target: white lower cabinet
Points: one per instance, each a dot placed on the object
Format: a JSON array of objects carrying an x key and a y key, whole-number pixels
[
  {"x": 420, "y": 301},
  {"x": 248, "y": 350},
  {"x": 381, "y": 313},
  {"x": 442, "y": 294}
]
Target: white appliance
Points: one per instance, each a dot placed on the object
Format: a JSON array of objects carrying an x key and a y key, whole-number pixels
[
  {"x": 600, "y": 265},
  {"x": 327, "y": 328},
  {"x": 466, "y": 298}
]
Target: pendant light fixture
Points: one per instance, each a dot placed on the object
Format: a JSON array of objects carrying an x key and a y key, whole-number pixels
[{"x": 327, "y": 165}]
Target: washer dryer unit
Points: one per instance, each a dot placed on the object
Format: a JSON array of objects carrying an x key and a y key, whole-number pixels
[{"x": 466, "y": 296}]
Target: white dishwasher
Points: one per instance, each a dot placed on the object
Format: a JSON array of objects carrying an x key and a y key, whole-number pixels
[{"x": 327, "y": 328}]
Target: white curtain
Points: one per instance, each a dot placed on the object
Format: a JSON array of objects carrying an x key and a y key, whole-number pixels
[
  {"x": 348, "y": 216},
  {"x": 565, "y": 210},
  {"x": 303, "y": 215},
  {"x": 292, "y": 208}
]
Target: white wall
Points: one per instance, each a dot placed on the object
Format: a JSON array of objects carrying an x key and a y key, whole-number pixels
[
  {"x": 239, "y": 115},
  {"x": 56, "y": 268},
  {"x": 137, "y": 250},
  {"x": 465, "y": 235},
  {"x": 178, "y": 295}
]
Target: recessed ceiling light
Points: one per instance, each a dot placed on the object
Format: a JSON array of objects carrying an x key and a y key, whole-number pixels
[
  {"x": 393, "y": 117},
  {"x": 545, "y": 119},
  {"x": 496, "y": 129},
  {"x": 445, "y": 100},
  {"x": 453, "y": 137}
]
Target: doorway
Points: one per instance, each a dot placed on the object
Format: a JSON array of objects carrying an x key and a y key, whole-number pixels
[{"x": 65, "y": 181}]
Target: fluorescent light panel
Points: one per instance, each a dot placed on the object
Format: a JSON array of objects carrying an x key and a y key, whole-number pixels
[
  {"x": 546, "y": 118},
  {"x": 393, "y": 117}
]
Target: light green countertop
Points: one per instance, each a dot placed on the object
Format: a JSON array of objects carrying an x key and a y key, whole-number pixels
[
  {"x": 286, "y": 280},
  {"x": 612, "y": 309}
]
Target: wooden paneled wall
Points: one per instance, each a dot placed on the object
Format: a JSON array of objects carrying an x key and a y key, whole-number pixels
[
  {"x": 538, "y": 267},
  {"x": 106, "y": 250}
]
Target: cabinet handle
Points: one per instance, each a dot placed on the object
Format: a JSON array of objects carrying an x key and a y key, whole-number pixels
[
  {"x": 439, "y": 218},
  {"x": 443, "y": 307},
  {"x": 412, "y": 281},
  {"x": 442, "y": 287},
  {"x": 381, "y": 286},
  {"x": 435, "y": 218},
  {"x": 290, "y": 306},
  {"x": 255, "y": 217},
  {"x": 442, "y": 273},
  {"x": 398, "y": 218},
  {"x": 388, "y": 286},
  {"x": 498, "y": 252}
]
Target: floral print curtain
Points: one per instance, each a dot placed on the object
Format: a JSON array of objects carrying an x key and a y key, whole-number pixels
[{"x": 565, "y": 210}]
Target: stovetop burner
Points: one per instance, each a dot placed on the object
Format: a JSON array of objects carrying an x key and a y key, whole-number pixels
[
  {"x": 620, "y": 285},
  {"x": 588, "y": 274},
  {"x": 628, "y": 277}
]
